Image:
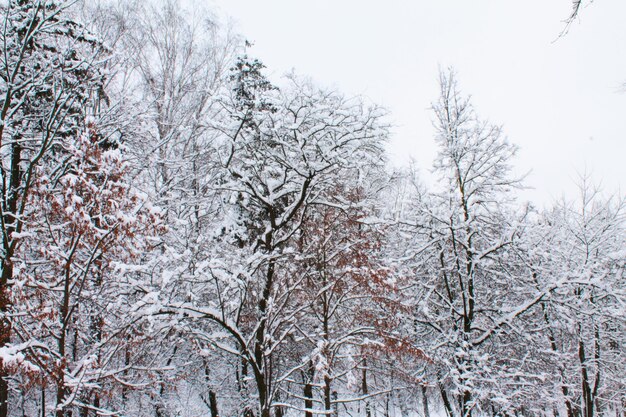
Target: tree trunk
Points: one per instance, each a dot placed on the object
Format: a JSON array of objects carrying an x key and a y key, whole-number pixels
[
  {"x": 125, "y": 373},
  {"x": 259, "y": 346},
  {"x": 446, "y": 400},
  {"x": 308, "y": 390},
  {"x": 466, "y": 410},
  {"x": 64, "y": 313},
  {"x": 425, "y": 401},
  {"x": 213, "y": 404},
  {"x": 43, "y": 401},
  {"x": 586, "y": 388},
  {"x": 5, "y": 337},
  {"x": 10, "y": 219},
  {"x": 327, "y": 397},
  {"x": 365, "y": 389}
]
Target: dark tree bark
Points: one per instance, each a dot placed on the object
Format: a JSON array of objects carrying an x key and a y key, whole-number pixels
[
  {"x": 365, "y": 389},
  {"x": 213, "y": 404},
  {"x": 446, "y": 401},
  {"x": 308, "y": 390},
  {"x": 425, "y": 401}
]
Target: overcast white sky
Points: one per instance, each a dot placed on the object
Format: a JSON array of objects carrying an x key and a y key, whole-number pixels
[{"x": 560, "y": 100}]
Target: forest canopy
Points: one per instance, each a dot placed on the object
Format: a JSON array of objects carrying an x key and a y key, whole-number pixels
[{"x": 184, "y": 236}]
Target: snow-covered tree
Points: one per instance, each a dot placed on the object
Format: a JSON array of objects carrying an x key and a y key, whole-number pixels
[
  {"x": 287, "y": 150},
  {"x": 68, "y": 324},
  {"x": 580, "y": 245},
  {"x": 181, "y": 236},
  {"x": 465, "y": 310},
  {"x": 169, "y": 73},
  {"x": 49, "y": 79}
]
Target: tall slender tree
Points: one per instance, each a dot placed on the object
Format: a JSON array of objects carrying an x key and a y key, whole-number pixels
[{"x": 48, "y": 77}]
